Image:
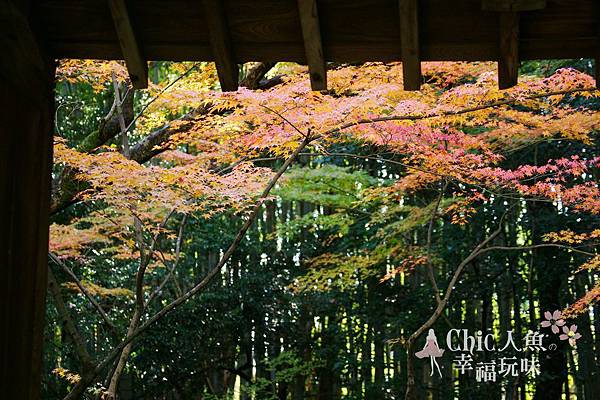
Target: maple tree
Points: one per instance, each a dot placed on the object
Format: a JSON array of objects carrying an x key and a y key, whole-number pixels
[{"x": 183, "y": 150}]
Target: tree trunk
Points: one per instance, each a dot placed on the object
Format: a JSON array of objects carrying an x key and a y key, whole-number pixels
[
  {"x": 116, "y": 375},
  {"x": 588, "y": 368},
  {"x": 553, "y": 364}
]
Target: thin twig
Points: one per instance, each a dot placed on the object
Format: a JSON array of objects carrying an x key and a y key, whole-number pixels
[
  {"x": 172, "y": 269},
  {"x": 120, "y": 117},
  {"x": 145, "y": 107},
  {"x": 85, "y": 292},
  {"x": 430, "y": 272}
]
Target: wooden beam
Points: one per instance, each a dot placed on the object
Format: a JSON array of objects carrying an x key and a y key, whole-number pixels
[
  {"x": 220, "y": 42},
  {"x": 409, "y": 41},
  {"x": 508, "y": 61},
  {"x": 313, "y": 46},
  {"x": 508, "y": 14},
  {"x": 512, "y": 5},
  {"x": 26, "y": 98},
  {"x": 136, "y": 63}
]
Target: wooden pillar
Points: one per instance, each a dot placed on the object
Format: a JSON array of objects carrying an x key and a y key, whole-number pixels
[
  {"x": 137, "y": 66},
  {"x": 26, "y": 102},
  {"x": 508, "y": 43},
  {"x": 508, "y": 60},
  {"x": 220, "y": 42},
  {"x": 313, "y": 45},
  {"x": 409, "y": 41}
]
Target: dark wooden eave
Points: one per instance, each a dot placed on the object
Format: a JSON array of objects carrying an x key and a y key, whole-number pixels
[{"x": 350, "y": 31}]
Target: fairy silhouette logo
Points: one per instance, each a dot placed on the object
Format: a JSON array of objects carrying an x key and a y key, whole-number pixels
[
  {"x": 509, "y": 355},
  {"x": 431, "y": 350}
]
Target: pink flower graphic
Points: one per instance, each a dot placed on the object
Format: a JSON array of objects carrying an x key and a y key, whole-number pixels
[
  {"x": 570, "y": 334},
  {"x": 553, "y": 320}
]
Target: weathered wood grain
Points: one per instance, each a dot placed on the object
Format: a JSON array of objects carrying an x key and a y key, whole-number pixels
[
  {"x": 220, "y": 43},
  {"x": 508, "y": 62},
  {"x": 409, "y": 40},
  {"x": 313, "y": 47},
  {"x": 134, "y": 60},
  {"x": 26, "y": 98}
]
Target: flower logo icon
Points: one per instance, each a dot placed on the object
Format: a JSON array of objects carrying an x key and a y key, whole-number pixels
[
  {"x": 570, "y": 334},
  {"x": 553, "y": 320}
]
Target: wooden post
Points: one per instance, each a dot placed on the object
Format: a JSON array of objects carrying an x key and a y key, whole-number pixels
[
  {"x": 137, "y": 66},
  {"x": 508, "y": 62},
  {"x": 508, "y": 41},
  {"x": 26, "y": 100},
  {"x": 313, "y": 46},
  {"x": 409, "y": 40},
  {"x": 220, "y": 42}
]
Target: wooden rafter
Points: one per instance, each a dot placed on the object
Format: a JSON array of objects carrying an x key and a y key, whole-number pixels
[
  {"x": 508, "y": 52},
  {"x": 409, "y": 41},
  {"x": 136, "y": 63},
  {"x": 508, "y": 60},
  {"x": 313, "y": 46},
  {"x": 220, "y": 42},
  {"x": 351, "y": 31}
]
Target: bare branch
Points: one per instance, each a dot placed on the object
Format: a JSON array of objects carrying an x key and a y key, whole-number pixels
[
  {"x": 85, "y": 292},
  {"x": 69, "y": 325},
  {"x": 430, "y": 272},
  {"x": 120, "y": 117},
  {"x": 172, "y": 269}
]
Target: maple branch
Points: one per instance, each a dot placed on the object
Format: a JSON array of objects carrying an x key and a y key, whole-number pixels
[
  {"x": 162, "y": 91},
  {"x": 254, "y": 75},
  {"x": 538, "y": 246},
  {"x": 172, "y": 269},
  {"x": 85, "y": 292},
  {"x": 69, "y": 325},
  {"x": 416, "y": 117},
  {"x": 145, "y": 259},
  {"x": 251, "y": 81},
  {"x": 120, "y": 117},
  {"x": 430, "y": 272},
  {"x": 437, "y": 174},
  {"x": 280, "y": 115},
  {"x": 66, "y": 188},
  {"x": 88, "y": 378}
]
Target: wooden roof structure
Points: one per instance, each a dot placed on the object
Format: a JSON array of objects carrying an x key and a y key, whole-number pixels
[
  {"x": 315, "y": 32},
  {"x": 33, "y": 33}
]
